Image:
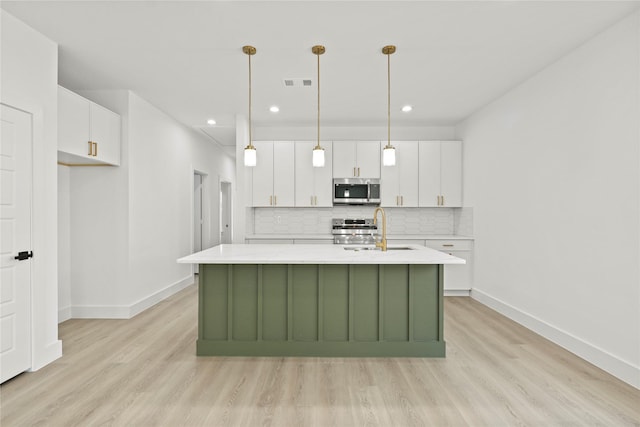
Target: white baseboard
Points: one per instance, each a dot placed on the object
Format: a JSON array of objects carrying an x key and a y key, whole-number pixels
[
  {"x": 127, "y": 312},
  {"x": 152, "y": 300},
  {"x": 457, "y": 292},
  {"x": 64, "y": 314},
  {"x": 604, "y": 360}
]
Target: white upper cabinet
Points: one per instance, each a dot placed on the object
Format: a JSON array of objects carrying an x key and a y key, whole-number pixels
[
  {"x": 399, "y": 183},
  {"x": 87, "y": 132},
  {"x": 359, "y": 159},
  {"x": 440, "y": 173},
  {"x": 273, "y": 175},
  {"x": 313, "y": 185}
]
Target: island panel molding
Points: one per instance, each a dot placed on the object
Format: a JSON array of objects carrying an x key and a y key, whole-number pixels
[{"x": 337, "y": 310}]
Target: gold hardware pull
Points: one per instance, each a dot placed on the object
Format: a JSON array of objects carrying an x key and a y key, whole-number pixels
[
  {"x": 275, "y": 200},
  {"x": 90, "y": 148},
  {"x": 271, "y": 200},
  {"x": 447, "y": 245},
  {"x": 354, "y": 171},
  {"x": 397, "y": 200},
  {"x": 315, "y": 198},
  {"x": 95, "y": 149},
  {"x": 442, "y": 200},
  {"x": 401, "y": 200},
  {"x": 358, "y": 171}
]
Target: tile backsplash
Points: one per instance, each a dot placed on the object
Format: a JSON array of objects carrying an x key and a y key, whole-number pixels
[{"x": 399, "y": 220}]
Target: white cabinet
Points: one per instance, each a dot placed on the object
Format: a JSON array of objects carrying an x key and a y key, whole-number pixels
[
  {"x": 273, "y": 175},
  {"x": 356, "y": 159},
  {"x": 458, "y": 278},
  {"x": 399, "y": 183},
  {"x": 313, "y": 185},
  {"x": 440, "y": 174},
  {"x": 87, "y": 132}
]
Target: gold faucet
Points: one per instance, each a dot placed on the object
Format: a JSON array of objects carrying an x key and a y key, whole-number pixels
[{"x": 382, "y": 244}]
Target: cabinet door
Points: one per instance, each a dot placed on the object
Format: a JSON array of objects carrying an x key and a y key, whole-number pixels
[
  {"x": 344, "y": 159},
  {"x": 105, "y": 132},
  {"x": 73, "y": 123},
  {"x": 323, "y": 178},
  {"x": 263, "y": 174},
  {"x": 458, "y": 277},
  {"x": 407, "y": 167},
  {"x": 368, "y": 159},
  {"x": 429, "y": 173},
  {"x": 283, "y": 174},
  {"x": 451, "y": 173},
  {"x": 304, "y": 173}
]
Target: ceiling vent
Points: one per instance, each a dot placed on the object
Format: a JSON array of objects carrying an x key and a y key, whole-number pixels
[{"x": 297, "y": 82}]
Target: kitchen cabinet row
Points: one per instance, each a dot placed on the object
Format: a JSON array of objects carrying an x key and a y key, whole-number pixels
[
  {"x": 88, "y": 134},
  {"x": 426, "y": 174}
]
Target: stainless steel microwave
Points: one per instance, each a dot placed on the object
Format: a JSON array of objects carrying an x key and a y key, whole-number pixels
[{"x": 356, "y": 191}]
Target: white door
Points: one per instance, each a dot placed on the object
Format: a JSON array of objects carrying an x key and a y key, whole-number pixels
[
  {"x": 283, "y": 174},
  {"x": 451, "y": 173},
  {"x": 304, "y": 174},
  {"x": 263, "y": 174},
  {"x": 226, "y": 228},
  {"x": 15, "y": 237},
  {"x": 344, "y": 159}
]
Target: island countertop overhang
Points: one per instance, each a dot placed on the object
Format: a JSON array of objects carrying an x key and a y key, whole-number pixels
[{"x": 316, "y": 254}]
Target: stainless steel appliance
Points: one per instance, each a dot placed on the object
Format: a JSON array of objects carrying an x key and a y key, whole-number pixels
[
  {"x": 354, "y": 231},
  {"x": 356, "y": 191}
]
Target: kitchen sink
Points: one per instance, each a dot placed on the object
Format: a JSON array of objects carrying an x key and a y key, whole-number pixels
[{"x": 372, "y": 248}]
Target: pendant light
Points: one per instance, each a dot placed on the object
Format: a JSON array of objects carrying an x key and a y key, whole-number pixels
[
  {"x": 318, "y": 151},
  {"x": 250, "y": 158},
  {"x": 389, "y": 151}
]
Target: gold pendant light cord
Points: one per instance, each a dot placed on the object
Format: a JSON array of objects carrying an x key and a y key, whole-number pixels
[
  {"x": 249, "y": 51},
  {"x": 318, "y": 146},
  {"x": 250, "y": 138},
  {"x": 388, "y": 100}
]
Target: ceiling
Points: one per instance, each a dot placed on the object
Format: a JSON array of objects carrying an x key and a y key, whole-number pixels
[{"x": 453, "y": 57}]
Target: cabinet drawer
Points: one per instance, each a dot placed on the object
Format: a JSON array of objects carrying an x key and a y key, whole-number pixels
[{"x": 450, "y": 245}]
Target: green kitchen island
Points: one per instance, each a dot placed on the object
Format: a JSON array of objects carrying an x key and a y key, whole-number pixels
[{"x": 320, "y": 300}]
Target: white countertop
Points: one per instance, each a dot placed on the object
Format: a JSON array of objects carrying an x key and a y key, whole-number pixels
[
  {"x": 317, "y": 254},
  {"x": 330, "y": 236}
]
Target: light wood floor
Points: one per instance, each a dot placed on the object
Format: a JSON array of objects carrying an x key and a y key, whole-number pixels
[{"x": 144, "y": 371}]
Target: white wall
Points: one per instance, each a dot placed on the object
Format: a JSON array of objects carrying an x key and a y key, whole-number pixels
[
  {"x": 130, "y": 223},
  {"x": 552, "y": 170},
  {"x": 29, "y": 74}
]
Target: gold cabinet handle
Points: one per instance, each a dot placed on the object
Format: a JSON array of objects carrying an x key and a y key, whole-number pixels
[
  {"x": 275, "y": 200},
  {"x": 95, "y": 149},
  {"x": 446, "y": 245},
  {"x": 442, "y": 200},
  {"x": 270, "y": 200},
  {"x": 397, "y": 200},
  {"x": 401, "y": 200},
  {"x": 90, "y": 148},
  {"x": 358, "y": 171},
  {"x": 354, "y": 171},
  {"x": 315, "y": 198}
]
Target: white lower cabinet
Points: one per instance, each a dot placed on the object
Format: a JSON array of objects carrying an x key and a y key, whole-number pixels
[
  {"x": 458, "y": 279},
  {"x": 269, "y": 241}
]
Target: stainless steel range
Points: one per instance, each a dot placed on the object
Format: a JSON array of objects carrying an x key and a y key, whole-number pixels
[{"x": 354, "y": 231}]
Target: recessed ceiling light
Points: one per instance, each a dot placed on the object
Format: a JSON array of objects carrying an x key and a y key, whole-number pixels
[
  {"x": 211, "y": 122},
  {"x": 407, "y": 108},
  {"x": 274, "y": 109}
]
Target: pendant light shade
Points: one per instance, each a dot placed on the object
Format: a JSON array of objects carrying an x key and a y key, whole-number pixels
[
  {"x": 250, "y": 154},
  {"x": 318, "y": 151},
  {"x": 389, "y": 151}
]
